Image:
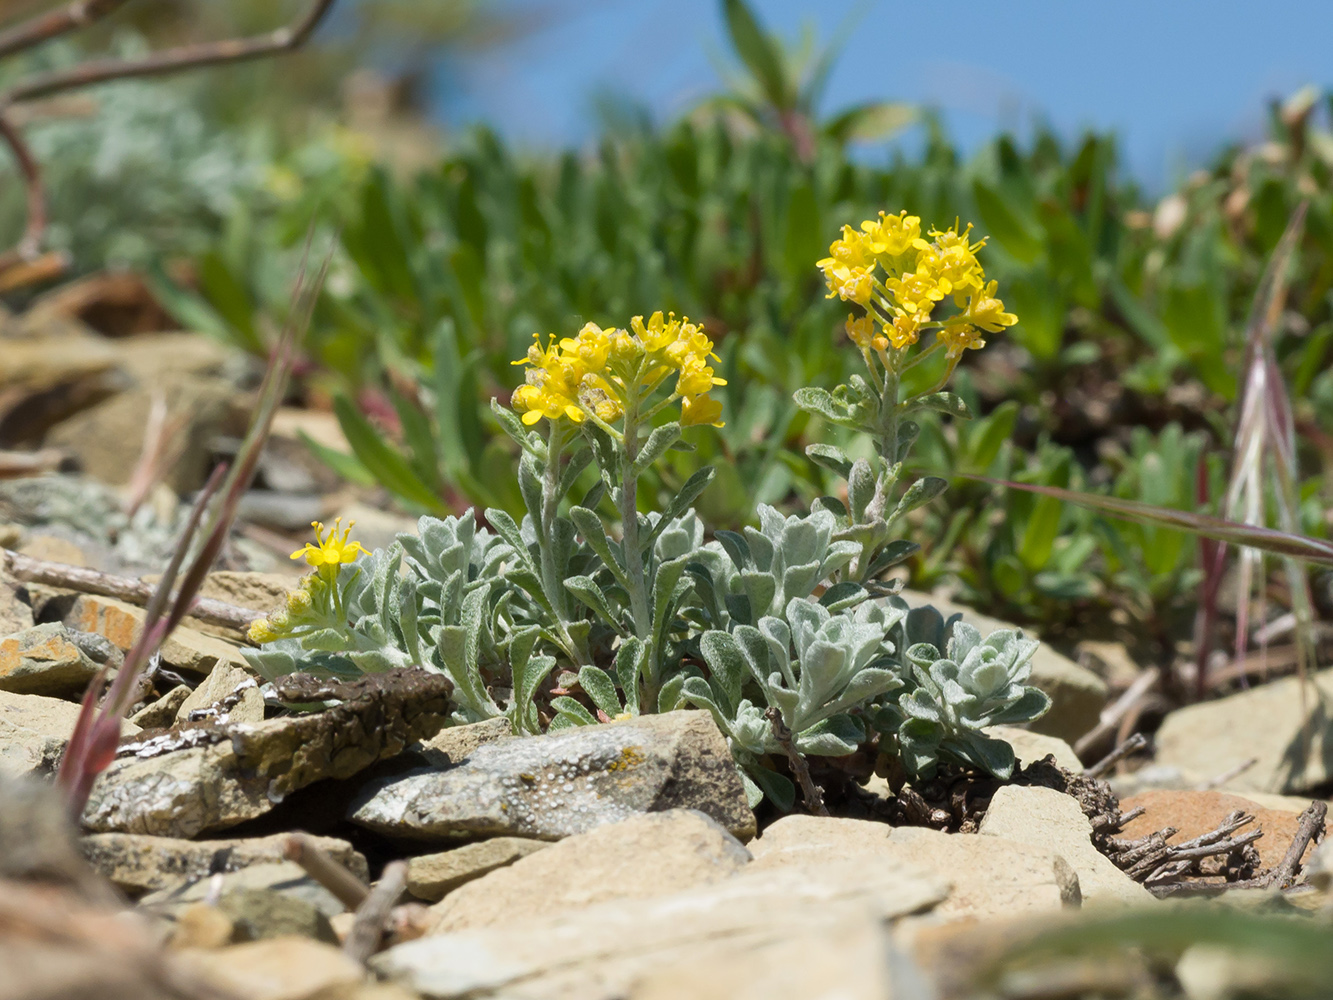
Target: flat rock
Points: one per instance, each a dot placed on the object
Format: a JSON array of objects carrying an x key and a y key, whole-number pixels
[
  {"x": 1266, "y": 722},
  {"x": 283, "y": 968},
  {"x": 181, "y": 784},
  {"x": 15, "y": 611},
  {"x": 34, "y": 730},
  {"x": 990, "y": 876},
  {"x": 687, "y": 849},
  {"x": 1030, "y": 747},
  {"x": 285, "y": 877},
  {"x": 1043, "y": 817},
  {"x": 161, "y": 713},
  {"x": 1195, "y": 813},
  {"x": 457, "y": 743},
  {"x": 137, "y": 863},
  {"x": 432, "y": 876},
  {"x": 601, "y": 952},
  {"x": 554, "y": 786},
  {"x": 185, "y": 649},
  {"x": 1077, "y": 694},
  {"x": 229, "y": 694},
  {"x": 43, "y": 660}
]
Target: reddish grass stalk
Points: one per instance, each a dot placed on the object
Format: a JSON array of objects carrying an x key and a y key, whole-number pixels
[{"x": 92, "y": 744}]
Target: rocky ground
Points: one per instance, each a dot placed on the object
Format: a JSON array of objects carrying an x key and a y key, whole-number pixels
[{"x": 364, "y": 851}]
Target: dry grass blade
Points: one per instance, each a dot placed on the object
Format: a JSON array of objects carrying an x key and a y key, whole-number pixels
[
  {"x": 1282, "y": 543},
  {"x": 96, "y": 733}
]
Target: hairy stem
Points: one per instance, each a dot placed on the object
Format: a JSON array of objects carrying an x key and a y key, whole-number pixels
[{"x": 629, "y": 534}]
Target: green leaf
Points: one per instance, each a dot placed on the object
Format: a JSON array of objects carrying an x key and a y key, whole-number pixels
[
  {"x": 870, "y": 122},
  {"x": 1020, "y": 237},
  {"x": 587, "y": 591},
  {"x": 921, "y": 492},
  {"x": 679, "y": 504},
  {"x": 629, "y": 667},
  {"x": 599, "y": 686},
  {"x": 830, "y": 457},
  {"x": 347, "y": 466},
  {"x": 757, "y": 51},
  {"x": 388, "y": 467},
  {"x": 727, "y": 664},
  {"x": 573, "y": 711},
  {"x": 776, "y": 788},
  {"x": 658, "y": 444},
  {"x": 942, "y": 402},
  {"x": 594, "y": 533}
]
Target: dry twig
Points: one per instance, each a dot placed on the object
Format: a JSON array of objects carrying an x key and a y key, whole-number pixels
[
  {"x": 44, "y": 27},
  {"x": 91, "y": 581},
  {"x": 326, "y": 870},
  {"x": 372, "y": 916},
  {"x": 1132, "y": 745},
  {"x": 1110, "y": 718},
  {"x": 814, "y": 800}
]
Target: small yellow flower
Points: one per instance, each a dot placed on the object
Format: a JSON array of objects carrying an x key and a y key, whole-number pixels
[
  {"x": 695, "y": 410},
  {"x": 916, "y": 292},
  {"x": 905, "y": 331},
  {"x": 851, "y": 284},
  {"x": 298, "y": 602},
  {"x": 986, "y": 311},
  {"x": 861, "y": 331},
  {"x": 260, "y": 632},
  {"x": 696, "y": 379},
  {"x": 853, "y": 249},
  {"x": 332, "y": 550},
  {"x": 960, "y": 338},
  {"x": 893, "y": 235}
]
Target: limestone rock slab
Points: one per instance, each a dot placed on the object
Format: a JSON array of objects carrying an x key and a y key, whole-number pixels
[
  {"x": 44, "y": 660},
  {"x": 559, "y": 784},
  {"x": 432, "y": 876}
]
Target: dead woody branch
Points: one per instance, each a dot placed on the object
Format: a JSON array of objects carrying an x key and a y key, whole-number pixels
[{"x": 44, "y": 27}]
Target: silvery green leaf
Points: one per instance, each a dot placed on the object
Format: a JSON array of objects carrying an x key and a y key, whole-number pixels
[
  {"x": 991, "y": 755},
  {"x": 510, "y": 423},
  {"x": 658, "y": 444},
  {"x": 800, "y": 581},
  {"x": 629, "y": 668},
  {"x": 830, "y": 457},
  {"x": 594, "y": 533},
  {"x": 594, "y": 495},
  {"x": 530, "y": 485},
  {"x": 942, "y": 402},
  {"x": 846, "y": 594},
  {"x": 760, "y": 587},
  {"x": 891, "y": 555},
  {"x": 835, "y": 736},
  {"x": 753, "y": 793},
  {"x": 325, "y": 640},
  {"x": 822, "y": 403},
  {"x": 860, "y": 489},
  {"x": 587, "y": 591},
  {"x": 528, "y": 672},
  {"x": 671, "y": 697},
  {"x": 778, "y": 789},
  {"x": 698, "y": 692},
  {"x": 682, "y": 501},
  {"x": 573, "y": 710},
  {"x": 965, "y": 638},
  {"x": 776, "y": 635},
  {"x": 1032, "y": 705},
  {"x": 919, "y": 743},
  {"x": 506, "y": 528},
  {"x": 736, "y": 547},
  {"x": 723, "y": 655},
  {"x": 599, "y": 686},
  {"x": 831, "y": 504},
  {"x": 738, "y": 608},
  {"x": 907, "y": 435},
  {"x": 918, "y": 494},
  {"x": 668, "y": 590},
  {"x": 377, "y": 661},
  {"x": 572, "y": 470},
  {"x": 919, "y": 705}
]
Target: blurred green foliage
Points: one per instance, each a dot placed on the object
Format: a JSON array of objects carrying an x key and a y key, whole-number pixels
[{"x": 1131, "y": 313}]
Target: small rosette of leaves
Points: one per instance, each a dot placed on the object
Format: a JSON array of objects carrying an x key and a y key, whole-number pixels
[
  {"x": 819, "y": 669},
  {"x": 979, "y": 683}
]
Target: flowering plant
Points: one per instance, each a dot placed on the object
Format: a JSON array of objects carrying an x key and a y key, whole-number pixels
[{"x": 774, "y": 630}]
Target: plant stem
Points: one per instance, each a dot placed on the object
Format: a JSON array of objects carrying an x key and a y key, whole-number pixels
[
  {"x": 629, "y": 535},
  {"x": 555, "y": 587}
]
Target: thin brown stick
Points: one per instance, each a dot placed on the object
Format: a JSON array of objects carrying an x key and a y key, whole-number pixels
[
  {"x": 1132, "y": 745},
  {"x": 28, "y": 247},
  {"x": 91, "y": 581},
  {"x": 52, "y": 24},
  {"x": 325, "y": 870},
  {"x": 172, "y": 60},
  {"x": 372, "y": 916},
  {"x": 1111, "y": 717},
  {"x": 1228, "y": 775},
  {"x": 814, "y": 800}
]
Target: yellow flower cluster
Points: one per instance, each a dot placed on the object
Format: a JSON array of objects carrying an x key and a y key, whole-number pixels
[
  {"x": 895, "y": 274},
  {"x": 595, "y": 373},
  {"x": 332, "y": 550}
]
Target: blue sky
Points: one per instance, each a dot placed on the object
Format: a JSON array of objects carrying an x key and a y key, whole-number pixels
[{"x": 1173, "y": 78}]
